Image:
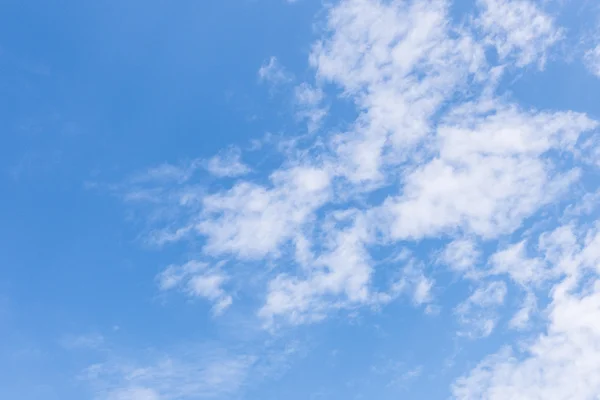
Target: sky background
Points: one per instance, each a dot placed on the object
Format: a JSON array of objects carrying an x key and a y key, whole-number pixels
[{"x": 351, "y": 199}]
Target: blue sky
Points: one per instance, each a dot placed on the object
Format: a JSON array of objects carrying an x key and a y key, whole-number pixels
[{"x": 354, "y": 199}]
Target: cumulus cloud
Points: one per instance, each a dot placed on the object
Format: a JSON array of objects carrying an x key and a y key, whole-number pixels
[
  {"x": 514, "y": 262},
  {"x": 521, "y": 319},
  {"x": 457, "y": 161},
  {"x": 491, "y": 173},
  {"x": 342, "y": 269},
  {"x": 252, "y": 220}
]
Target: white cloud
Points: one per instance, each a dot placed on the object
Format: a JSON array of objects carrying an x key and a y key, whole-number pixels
[
  {"x": 518, "y": 29},
  {"x": 252, "y": 221},
  {"x": 227, "y": 164},
  {"x": 491, "y": 173},
  {"x": 592, "y": 60},
  {"x": 478, "y": 314},
  {"x": 342, "y": 271},
  {"x": 306, "y": 94},
  {"x": 309, "y": 105},
  {"x": 423, "y": 290},
  {"x": 585, "y": 206},
  {"x": 522, "y": 318},
  {"x": 462, "y": 256},
  {"x": 562, "y": 363},
  {"x": 273, "y": 72},
  {"x": 197, "y": 279},
  {"x": 514, "y": 262},
  {"x": 412, "y": 281}
]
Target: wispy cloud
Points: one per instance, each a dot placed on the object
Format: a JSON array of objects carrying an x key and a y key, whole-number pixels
[
  {"x": 196, "y": 371},
  {"x": 478, "y": 314},
  {"x": 166, "y": 173},
  {"x": 197, "y": 279},
  {"x": 518, "y": 29},
  {"x": 170, "y": 378},
  {"x": 309, "y": 103},
  {"x": 273, "y": 72},
  {"x": 227, "y": 164},
  {"x": 93, "y": 341},
  {"x": 563, "y": 362}
]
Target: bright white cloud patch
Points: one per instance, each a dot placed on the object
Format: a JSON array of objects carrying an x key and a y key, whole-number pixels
[
  {"x": 253, "y": 220},
  {"x": 400, "y": 62},
  {"x": 490, "y": 174}
]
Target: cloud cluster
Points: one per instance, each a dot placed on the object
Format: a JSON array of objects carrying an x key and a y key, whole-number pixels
[
  {"x": 563, "y": 362},
  {"x": 438, "y": 151},
  {"x": 452, "y": 156}
]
